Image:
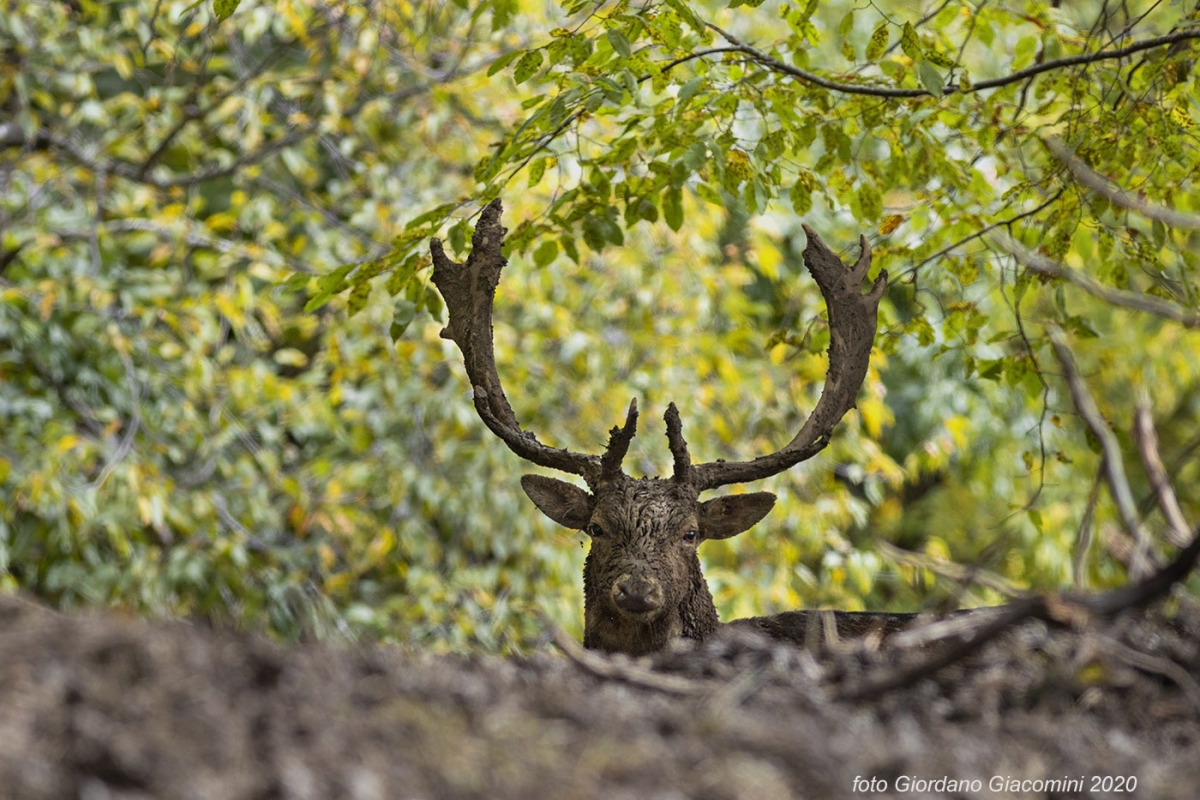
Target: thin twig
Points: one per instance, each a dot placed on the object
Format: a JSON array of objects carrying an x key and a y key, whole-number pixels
[
  {"x": 1084, "y": 541},
  {"x": 984, "y": 231},
  {"x": 1114, "y": 468},
  {"x": 1156, "y": 665},
  {"x": 604, "y": 667},
  {"x": 949, "y": 569},
  {"x": 1179, "y": 531}
]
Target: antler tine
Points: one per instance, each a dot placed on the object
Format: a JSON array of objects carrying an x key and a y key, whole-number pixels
[
  {"x": 469, "y": 291},
  {"x": 853, "y": 318},
  {"x": 618, "y": 445},
  {"x": 678, "y": 445}
]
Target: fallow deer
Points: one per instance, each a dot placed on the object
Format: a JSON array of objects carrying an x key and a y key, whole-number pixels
[{"x": 642, "y": 580}]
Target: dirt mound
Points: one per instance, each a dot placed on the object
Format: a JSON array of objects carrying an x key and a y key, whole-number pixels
[{"x": 98, "y": 706}]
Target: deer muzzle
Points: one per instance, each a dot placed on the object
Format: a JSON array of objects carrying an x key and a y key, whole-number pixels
[{"x": 638, "y": 596}]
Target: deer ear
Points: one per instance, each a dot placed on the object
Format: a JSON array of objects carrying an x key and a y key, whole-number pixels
[
  {"x": 727, "y": 516},
  {"x": 563, "y": 502}
]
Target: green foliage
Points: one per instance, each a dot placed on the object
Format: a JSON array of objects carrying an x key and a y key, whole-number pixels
[{"x": 222, "y": 390}]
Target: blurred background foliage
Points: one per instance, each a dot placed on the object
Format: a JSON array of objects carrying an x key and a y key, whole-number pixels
[{"x": 222, "y": 390}]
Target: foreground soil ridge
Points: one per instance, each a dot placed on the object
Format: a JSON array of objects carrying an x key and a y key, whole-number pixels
[{"x": 98, "y": 705}]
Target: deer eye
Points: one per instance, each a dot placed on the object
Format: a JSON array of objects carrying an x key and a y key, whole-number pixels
[
  {"x": 690, "y": 537},
  {"x": 594, "y": 530}
]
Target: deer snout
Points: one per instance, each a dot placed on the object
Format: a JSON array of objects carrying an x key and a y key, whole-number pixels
[{"x": 638, "y": 595}]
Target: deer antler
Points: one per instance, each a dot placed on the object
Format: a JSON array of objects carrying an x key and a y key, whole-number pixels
[
  {"x": 469, "y": 291},
  {"x": 852, "y": 324}
]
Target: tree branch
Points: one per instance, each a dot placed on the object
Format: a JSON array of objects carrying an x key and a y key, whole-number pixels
[
  {"x": 1118, "y": 197},
  {"x": 1114, "y": 469},
  {"x": 1147, "y": 444},
  {"x": 776, "y": 65},
  {"x": 1117, "y": 297}
]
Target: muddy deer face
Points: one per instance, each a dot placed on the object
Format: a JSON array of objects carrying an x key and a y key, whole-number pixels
[{"x": 642, "y": 580}]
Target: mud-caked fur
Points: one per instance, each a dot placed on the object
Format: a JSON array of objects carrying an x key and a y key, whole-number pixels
[{"x": 644, "y": 536}]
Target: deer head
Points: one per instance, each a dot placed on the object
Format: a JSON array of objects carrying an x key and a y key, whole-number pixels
[{"x": 642, "y": 580}]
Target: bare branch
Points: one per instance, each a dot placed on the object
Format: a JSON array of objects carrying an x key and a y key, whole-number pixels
[
  {"x": 1117, "y": 297},
  {"x": 955, "y": 572},
  {"x": 615, "y": 667},
  {"x": 1084, "y": 541},
  {"x": 1114, "y": 470},
  {"x": 1156, "y": 665},
  {"x": 1118, "y": 197},
  {"x": 1147, "y": 444},
  {"x": 1056, "y": 608},
  {"x": 852, "y": 325}
]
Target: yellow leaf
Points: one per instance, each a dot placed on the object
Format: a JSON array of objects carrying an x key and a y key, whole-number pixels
[
  {"x": 46, "y": 305},
  {"x": 65, "y": 444},
  {"x": 872, "y": 413},
  {"x": 328, "y": 557},
  {"x": 223, "y": 221},
  {"x": 381, "y": 546}
]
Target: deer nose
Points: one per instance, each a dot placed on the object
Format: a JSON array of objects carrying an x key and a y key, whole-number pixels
[{"x": 637, "y": 595}]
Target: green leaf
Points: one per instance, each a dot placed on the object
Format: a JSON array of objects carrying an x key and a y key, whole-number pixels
[
  {"x": 440, "y": 213},
  {"x": 869, "y": 202},
  {"x": 433, "y": 303},
  {"x": 402, "y": 316},
  {"x": 801, "y": 197},
  {"x": 458, "y": 236},
  {"x": 546, "y": 252},
  {"x": 993, "y": 371},
  {"x": 503, "y": 61},
  {"x": 527, "y": 66},
  {"x": 689, "y": 89},
  {"x": 335, "y": 281},
  {"x": 537, "y": 168},
  {"x": 1024, "y": 51},
  {"x": 672, "y": 206},
  {"x": 224, "y": 8},
  {"x": 568, "y": 246},
  {"x": 401, "y": 275},
  {"x": 910, "y": 43},
  {"x": 879, "y": 42},
  {"x": 620, "y": 44},
  {"x": 297, "y": 281},
  {"x": 846, "y": 26},
  {"x": 930, "y": 78},
  {"x": 358, "y": 298}
]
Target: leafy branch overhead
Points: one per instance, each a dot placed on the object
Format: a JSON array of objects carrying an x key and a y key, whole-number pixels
[{"x": 924, "y": 125}]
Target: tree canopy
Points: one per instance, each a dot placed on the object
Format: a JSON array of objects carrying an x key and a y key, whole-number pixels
[{"x": 222, "y": 390}]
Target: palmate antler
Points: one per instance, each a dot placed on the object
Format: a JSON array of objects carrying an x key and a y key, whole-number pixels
[{"x": 469, "y": 291}]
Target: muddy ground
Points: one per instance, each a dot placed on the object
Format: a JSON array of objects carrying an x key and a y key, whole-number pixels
[{"x": 98, "y": 706}]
